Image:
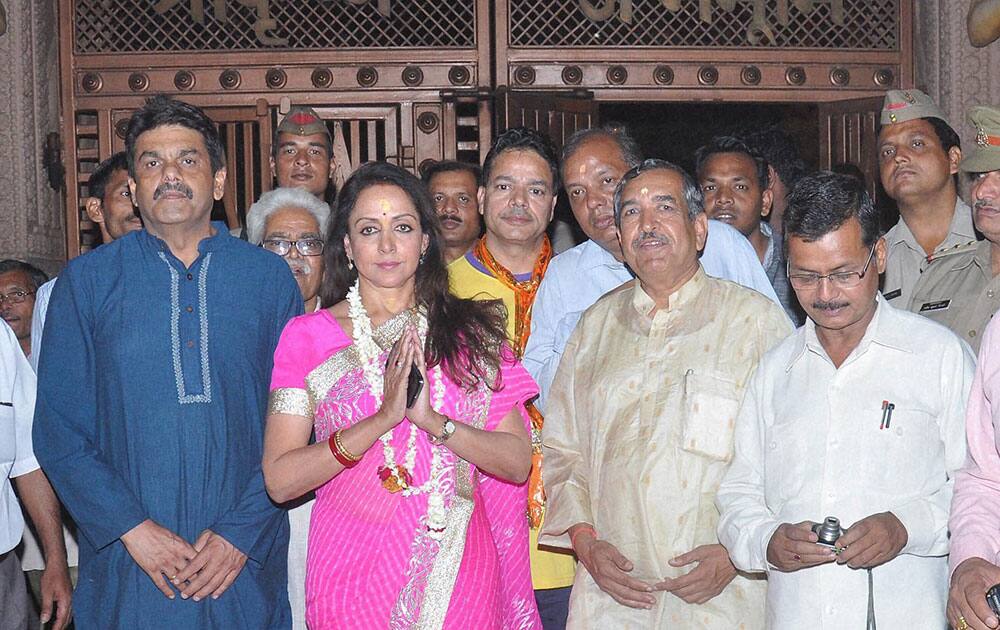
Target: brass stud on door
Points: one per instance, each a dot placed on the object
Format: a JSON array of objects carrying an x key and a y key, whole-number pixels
[
  {"x": 184, "y": 80},
  {"x": 572, "y": 75},
  {"x": 708, "y": 75},
  {"x": 663, "y": 75},
  {"x": 92, "y": 82},
  {"x": 524, "y": 75},
  {"x": 367, "y": 76},
  {"x": 230, "y": 79},
  {"x": 275, "y": 78},
  {"x": 321, "y": 78},
  {"x": 138, "y": 82},
  {"x": 412, "y": 76}
]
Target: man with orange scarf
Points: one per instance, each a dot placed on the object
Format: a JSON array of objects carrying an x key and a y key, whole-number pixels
[{"x": 517, "y": 199}]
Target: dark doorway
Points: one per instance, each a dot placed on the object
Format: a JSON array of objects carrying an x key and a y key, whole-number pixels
[{"x": 674, "y": 131}]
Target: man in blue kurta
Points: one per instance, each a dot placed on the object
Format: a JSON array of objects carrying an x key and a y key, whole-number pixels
[{"x": 153, "y": 382}]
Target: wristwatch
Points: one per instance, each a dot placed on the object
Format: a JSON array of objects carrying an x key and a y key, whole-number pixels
[{"x": 446, "y": 432}]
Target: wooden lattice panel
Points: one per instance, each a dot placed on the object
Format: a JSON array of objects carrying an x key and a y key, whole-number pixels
[
  {"x": 122, "y": 26},
  {"x": 866, "y": 25}
]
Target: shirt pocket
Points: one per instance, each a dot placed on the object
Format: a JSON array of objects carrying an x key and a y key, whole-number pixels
[
  {"x": 904, "y": 451},
  {"x": 710, "y": 406}
]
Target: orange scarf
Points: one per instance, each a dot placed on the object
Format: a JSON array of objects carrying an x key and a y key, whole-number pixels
[{"x": 524, "y": 298}]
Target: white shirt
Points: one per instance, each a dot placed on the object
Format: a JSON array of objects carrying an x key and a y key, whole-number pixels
[
  {"x": 809, "y": 445},
  {"x": 38, "y": 320},
  {"x": 17, "y": 409},
  {"x": 578, "y": 276},
  {"x": 32, "y": 558}
]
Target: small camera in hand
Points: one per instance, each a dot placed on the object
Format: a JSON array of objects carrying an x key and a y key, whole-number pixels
[
  {"x": 993, "y": 599},
  {"x": 828, "y": 531}
]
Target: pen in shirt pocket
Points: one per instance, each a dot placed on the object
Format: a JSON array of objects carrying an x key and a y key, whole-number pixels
[
  {"x": 4, "y": 403},
  {"x": 887, "y": 408}
]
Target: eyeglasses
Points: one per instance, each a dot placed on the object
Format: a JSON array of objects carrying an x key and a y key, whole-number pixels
[
  {"x": 841, "y": 279},
  {"x": 306, "y": 246},
  {"x": 15, "y": 297}
]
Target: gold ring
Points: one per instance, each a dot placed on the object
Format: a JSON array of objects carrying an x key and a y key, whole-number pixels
[{"x": 962, "y": 624}]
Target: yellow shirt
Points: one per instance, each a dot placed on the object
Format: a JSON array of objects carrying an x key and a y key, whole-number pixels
[
  {"x": 639, "y": 432},
  {"x": 548, "y": 569}
]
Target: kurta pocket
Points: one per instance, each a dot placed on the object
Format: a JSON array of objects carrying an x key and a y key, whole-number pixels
[{"x": 710, "y": 408}]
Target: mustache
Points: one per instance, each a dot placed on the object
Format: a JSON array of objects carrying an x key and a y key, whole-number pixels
[
  {"x": 299, "y": 265},
  {"x": 515, "y": 211},
  {"x": 983, "y": 203},
  {"x": 166, "y": 187},
  {"x": 651, "y": 235},
  {"x": 450, "y": 217},
  {"x": 820, "y": 305}
]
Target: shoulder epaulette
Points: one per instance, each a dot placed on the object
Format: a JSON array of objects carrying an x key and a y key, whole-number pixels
[{"x": 954, "y": 250}]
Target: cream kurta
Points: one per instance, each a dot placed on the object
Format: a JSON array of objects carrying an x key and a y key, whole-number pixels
[{"x": 639, "y": 433}]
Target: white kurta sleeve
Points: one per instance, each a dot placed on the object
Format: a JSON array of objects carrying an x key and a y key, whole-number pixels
[
  {"x": 926, "y": 518},
  {"x": 746, "y": 524}
]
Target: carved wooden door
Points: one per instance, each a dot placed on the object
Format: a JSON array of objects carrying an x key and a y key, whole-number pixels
[
  {"x": 558, "y": 114},
  {"x": 848, "y": 133}
]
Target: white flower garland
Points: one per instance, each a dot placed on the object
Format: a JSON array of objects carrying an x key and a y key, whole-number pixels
[{"x": 400, "y": 477}]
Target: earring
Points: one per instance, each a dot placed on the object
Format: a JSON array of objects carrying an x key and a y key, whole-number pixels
[
  {"x": 423, "y": 255},
  {"x": 350, "y": 264}
]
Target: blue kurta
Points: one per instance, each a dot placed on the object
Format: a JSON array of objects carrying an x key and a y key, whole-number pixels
[{"x": 152, "y": 395}]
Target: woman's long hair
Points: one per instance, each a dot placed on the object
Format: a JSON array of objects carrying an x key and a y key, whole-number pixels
[{"x": 464, "y": 336}]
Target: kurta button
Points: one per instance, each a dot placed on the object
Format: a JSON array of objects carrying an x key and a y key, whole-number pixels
[
  {"x": 189, "y": 309},
  {"x": 190, "y": 344},
  {"x": 990, "y": 293},
  {"x": 899, "y": 430},
  {"x": 972, "y": 333},
  {"x": 190, "y": 276},
  {"x": 774, "y": 445}
]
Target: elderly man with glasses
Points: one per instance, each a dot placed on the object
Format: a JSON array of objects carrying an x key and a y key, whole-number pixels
[
  {"x": 292, "y": 223},
  {"x": 859, "y": 415}
]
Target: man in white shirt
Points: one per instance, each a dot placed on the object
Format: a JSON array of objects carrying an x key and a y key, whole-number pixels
[
  {"x": 592, "y": 163},
  {"x": 17, "y": 463},
  {"x": 859, "y": 415}
]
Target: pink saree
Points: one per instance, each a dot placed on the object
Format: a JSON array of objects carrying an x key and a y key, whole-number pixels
[{"x": 370, "y": 562}]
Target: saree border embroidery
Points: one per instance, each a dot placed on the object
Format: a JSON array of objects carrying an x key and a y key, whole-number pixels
[
  {"x": 291, "y": 400},
  {"x": 324, "y": 376}
]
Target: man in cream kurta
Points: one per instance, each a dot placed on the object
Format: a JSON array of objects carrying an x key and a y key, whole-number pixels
[{"x": 639, "y": 426}]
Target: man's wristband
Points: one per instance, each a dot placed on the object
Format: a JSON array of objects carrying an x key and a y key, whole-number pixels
[{"x": 581, "y": 530}]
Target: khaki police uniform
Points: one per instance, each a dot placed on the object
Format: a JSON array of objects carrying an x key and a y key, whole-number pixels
[
  {"x": 957, "y": 287},
  {"x": 958, "y": 290},
  {"x": 906, "y": 259}
]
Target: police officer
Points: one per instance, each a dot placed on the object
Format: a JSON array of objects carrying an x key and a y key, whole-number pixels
[
  {"x": 303, "y": 156},
  {"x": 918, "y": 157},
  {"x": 960, "y": 288}
]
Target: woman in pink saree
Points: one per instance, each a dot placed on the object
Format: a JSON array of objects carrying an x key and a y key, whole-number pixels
[{"x": 419, "y": 517}]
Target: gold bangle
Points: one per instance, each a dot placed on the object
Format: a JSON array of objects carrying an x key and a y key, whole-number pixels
[{"x": 343, "y": 450}]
